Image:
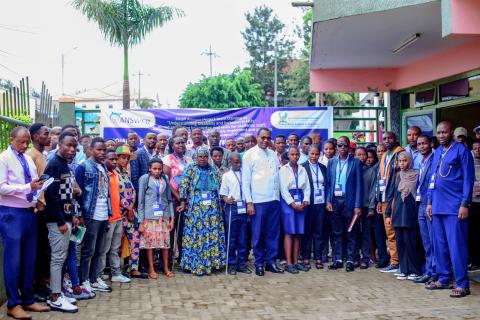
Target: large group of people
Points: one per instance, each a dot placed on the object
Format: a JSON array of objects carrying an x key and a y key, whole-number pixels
[{"x": 76, "y": 211}]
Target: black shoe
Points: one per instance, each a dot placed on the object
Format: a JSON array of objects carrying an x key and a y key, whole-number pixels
[
  {"x": 381, "y": 265},
  {"x": 259, "y": 271},
  {"x": 422, "y": 279},
  {"x": 336, "y": 265},
  {"x": 244, "y": 269},
  {"x": 350, "y": 267},
  {"x": 290, "y": 268},
  {"x": 232, "y": 270},
  {"x": 273, "y": 268}
]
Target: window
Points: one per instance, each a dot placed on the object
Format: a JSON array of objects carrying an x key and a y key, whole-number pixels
[{"x": 425, "y": 97}]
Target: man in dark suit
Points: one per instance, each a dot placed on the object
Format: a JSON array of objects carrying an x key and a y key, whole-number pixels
[
  {"x": 139, "y": 166},
  {"x": 315, "y": 216},
  {"x": 344, "y": 201}
]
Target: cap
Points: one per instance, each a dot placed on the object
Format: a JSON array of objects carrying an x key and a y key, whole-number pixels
[
  {"x": 460, "y": 131},
  {"x": 126, "y": 150}
]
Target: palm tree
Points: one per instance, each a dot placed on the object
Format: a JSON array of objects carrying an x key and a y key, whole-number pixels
[{"x": 125, "y": 23}]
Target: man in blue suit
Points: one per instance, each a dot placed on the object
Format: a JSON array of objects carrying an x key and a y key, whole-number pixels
[
  {"x": 139, "y": 166},
  {"x": 344, "y": 201}
]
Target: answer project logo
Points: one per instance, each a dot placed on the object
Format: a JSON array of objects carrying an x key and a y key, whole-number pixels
[
  {"x": 131, "y": 119},
  {"x": 283, "y": 116}
]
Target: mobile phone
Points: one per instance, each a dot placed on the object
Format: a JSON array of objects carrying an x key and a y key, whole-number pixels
[{"x": 44, "y": 177}]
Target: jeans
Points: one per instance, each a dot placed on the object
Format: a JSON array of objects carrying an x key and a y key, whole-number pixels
[
  {"x": 93, "y": 243},
  {"x": 71, "y": 264},
  {"x": 19, "y": 235},
  {"x": 59, "y": 246},
  {"x": 113, "y": 241}
]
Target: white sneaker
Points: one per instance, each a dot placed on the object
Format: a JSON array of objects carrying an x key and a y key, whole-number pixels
[
  {"x": 87, "y": 286},
  {"x": 61, "y": 304},
  {"x": 120, "y": 278},
  {"x": 69, "y": 299},
  {"x": 412, "y": 276},
  {"x": 105, "y": 276},
  {"x": 399, "y": 273},
  {"x": 402, "y": 277},
  {"x": 88, "y": 291},
  {"x": 100, "y": 286}
]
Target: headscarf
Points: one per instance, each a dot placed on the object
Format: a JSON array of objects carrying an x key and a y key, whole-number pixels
[
  {"x": 408, "y": 178},
  {"x": 200, "y": 150}
]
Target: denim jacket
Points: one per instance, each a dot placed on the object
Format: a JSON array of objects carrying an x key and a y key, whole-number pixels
[{"x": 87, "y": 176}]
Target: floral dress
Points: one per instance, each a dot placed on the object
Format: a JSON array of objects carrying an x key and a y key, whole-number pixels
[{"x": 203, "y": 247}]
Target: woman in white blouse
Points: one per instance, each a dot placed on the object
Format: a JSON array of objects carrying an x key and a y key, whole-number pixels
[{"x": 295, "y": 191}]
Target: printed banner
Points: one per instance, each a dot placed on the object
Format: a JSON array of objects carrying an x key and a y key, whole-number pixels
[{"x": 231, "y": 123}]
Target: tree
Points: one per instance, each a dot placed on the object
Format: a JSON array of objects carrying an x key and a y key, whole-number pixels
[
  {"x": 263, "y": 33},
  {"x": 223, "y": 91},
  {"x": 125, "y": 23},
  {"x": 298, "y": 83}
]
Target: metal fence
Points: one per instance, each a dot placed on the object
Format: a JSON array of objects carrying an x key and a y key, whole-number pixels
[{"x": 46, "y": 112}]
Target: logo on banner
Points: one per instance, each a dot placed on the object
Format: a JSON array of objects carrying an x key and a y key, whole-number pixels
[
  {"x": 130, "y": 119},
  {"x": 301, "y": 119}
]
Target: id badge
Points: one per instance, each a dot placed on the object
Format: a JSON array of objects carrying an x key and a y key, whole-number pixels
[
  {"x": 157, "y": 210},
  {"x": 431, "y": 186},
  {"x": 241, "y": 208},
  {"x": 206, "y": 199},
  {"x": 381, "y": 185},
  {"x": 338, "y": 190},
  {"x": 296, "y": 198},
  {"x": 418, "y": 198},
  {"x": 318, "y": 196}
]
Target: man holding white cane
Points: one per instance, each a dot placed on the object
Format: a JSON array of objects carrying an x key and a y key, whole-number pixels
[{"x": 235, "y": 217}]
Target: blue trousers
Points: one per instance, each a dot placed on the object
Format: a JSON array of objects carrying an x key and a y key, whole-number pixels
[
  {"x": 315, "y": 220},
  {"x": 344, "y": 243},
  {"x": 265, "y": 232},
  {"x": 237, "y": 238},
  {"x": 19, "y": 234},
  {"x": 70, "y": 264},
  {"x": 450, "y": 248},
  {"x": 426, "y": 232}
]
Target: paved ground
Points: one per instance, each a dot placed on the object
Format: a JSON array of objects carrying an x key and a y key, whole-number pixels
[{"x": 318, "y": 294}]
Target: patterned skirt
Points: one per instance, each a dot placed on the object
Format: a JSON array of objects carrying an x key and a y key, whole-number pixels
[{"x": 156, "y": 234}]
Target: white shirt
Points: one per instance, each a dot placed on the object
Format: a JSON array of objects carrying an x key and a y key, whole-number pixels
[
  {"x": 230, "y": 185},
  {"x": 13, "y": 189},
  {"x": 101, "y": 206},
  {"x": 260, "y": 175},
  {"x": 323, "y": 159},
  {"x": 287, "y": 182},
  {"x": 303, "y": 158}
]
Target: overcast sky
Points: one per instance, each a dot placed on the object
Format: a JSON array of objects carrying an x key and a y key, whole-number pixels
[{"x": 170, "y": 56}]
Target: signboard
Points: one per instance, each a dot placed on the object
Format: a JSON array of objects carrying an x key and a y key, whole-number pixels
[{"x": 231, "y": 123}]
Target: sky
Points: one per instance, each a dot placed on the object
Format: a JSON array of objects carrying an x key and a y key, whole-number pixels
[{"x": 34, "y": 34}]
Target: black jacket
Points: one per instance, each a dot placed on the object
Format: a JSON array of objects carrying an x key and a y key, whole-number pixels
[{"x": 323, "y": 169}]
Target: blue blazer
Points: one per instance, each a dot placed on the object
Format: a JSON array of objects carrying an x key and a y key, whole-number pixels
[
  {"x": 424, "y": 180},
  {"x": 354, "y": 185},
  {"x": 139, "y": 167}
]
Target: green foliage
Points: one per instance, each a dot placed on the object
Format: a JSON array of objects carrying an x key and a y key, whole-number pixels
[
  {"x": 233, "y": 90},
  {"x": 264, "y": 30},
  {"x": 125, "y": 23},
  {"x": 22, "y": 117}
]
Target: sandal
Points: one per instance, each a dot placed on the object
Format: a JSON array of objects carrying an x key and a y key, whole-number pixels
[
  {"x": 153, "y": 275},
  {"x": 307, "y": 265},
  {"x": 437, "y": 285},
  {"x": 460, "y": 292},
  {"x": 319, "y": 264},
  {"x": 169, "y": 274}
]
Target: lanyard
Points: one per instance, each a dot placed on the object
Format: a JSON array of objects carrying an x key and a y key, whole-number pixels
[
  {"x": 295, "y": 175},
  {"x": 386, "y": 163},
  {"x": 339, "y": 172},
  {"x": 239, "y": 182},
  {"x": 316, "y": 173},
  {"x": 442, "y": 159},
  {"x": 422, "y": 166},
  {"x": 157, "y": 185}
]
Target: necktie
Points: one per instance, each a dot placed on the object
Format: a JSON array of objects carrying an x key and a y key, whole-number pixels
[{"x": 26, "y": 173}]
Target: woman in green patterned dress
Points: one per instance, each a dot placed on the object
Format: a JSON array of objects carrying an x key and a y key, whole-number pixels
[{"x": 203, "y": 247}]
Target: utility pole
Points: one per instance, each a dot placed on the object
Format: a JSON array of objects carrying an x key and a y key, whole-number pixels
[
  {"x": 275, "y": 84},
  {"x": 139, "y": 78},
  {"x": 211, "y": 55},
  {"x": 63, "y": 70}
]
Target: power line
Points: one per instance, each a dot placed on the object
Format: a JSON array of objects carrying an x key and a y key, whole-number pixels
[
  {"x": 210, "y": 55},
  {"x": 17, "y": 30}
]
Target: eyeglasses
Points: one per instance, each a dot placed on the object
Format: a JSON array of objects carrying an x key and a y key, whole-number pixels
[
  {"x": 265, "y": 138},
  {"x": 342, "y": 146}
]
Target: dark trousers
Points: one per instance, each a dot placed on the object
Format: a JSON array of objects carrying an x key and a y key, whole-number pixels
[
  {"x": 426, "y": 232},
  {"x": 42, "y": 262},
  {"x": 327, "y": 235},
  {"x": 341, "y": 218},
  {"x": 177, "y": 229},
  {"x": 315, "y": 220},
  {"x": 19, "y": 234},
  {"x": 407, "y": 250},
  {"x": 450, "y": 247},
  {"x": 265, "y": 232},
  {"x": 237, "y": 238},
  {"x": 380, "y": 239},
  {"x": 474, "y": 233},
  {"x": 364, "y": 237},
  {"x": 93, "y": 242}
]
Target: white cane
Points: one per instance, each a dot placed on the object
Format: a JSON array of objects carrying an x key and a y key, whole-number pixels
[
  {"x": 228, "y": 240},
  {"x": 175, "y": 241}
]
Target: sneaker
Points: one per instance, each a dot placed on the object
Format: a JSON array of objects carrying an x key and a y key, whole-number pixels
[
  {"x": 71, "y": 300},
  {"x": 399, "y": 273},
  {"x": 105, "y": 277},
  {"x": 120, "y": 278},
  {"x": 390, "y": 268},
  {"x": 61, "y": 304},
  {"x": 88, "y": 292},
  {"x": 402, "y": 276},
  {"x": 412, "y": 276},
  {"x": 83, "y": 295},
  {"x": 67, "y": 283},
  {"x": 100, "y": 286}
]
